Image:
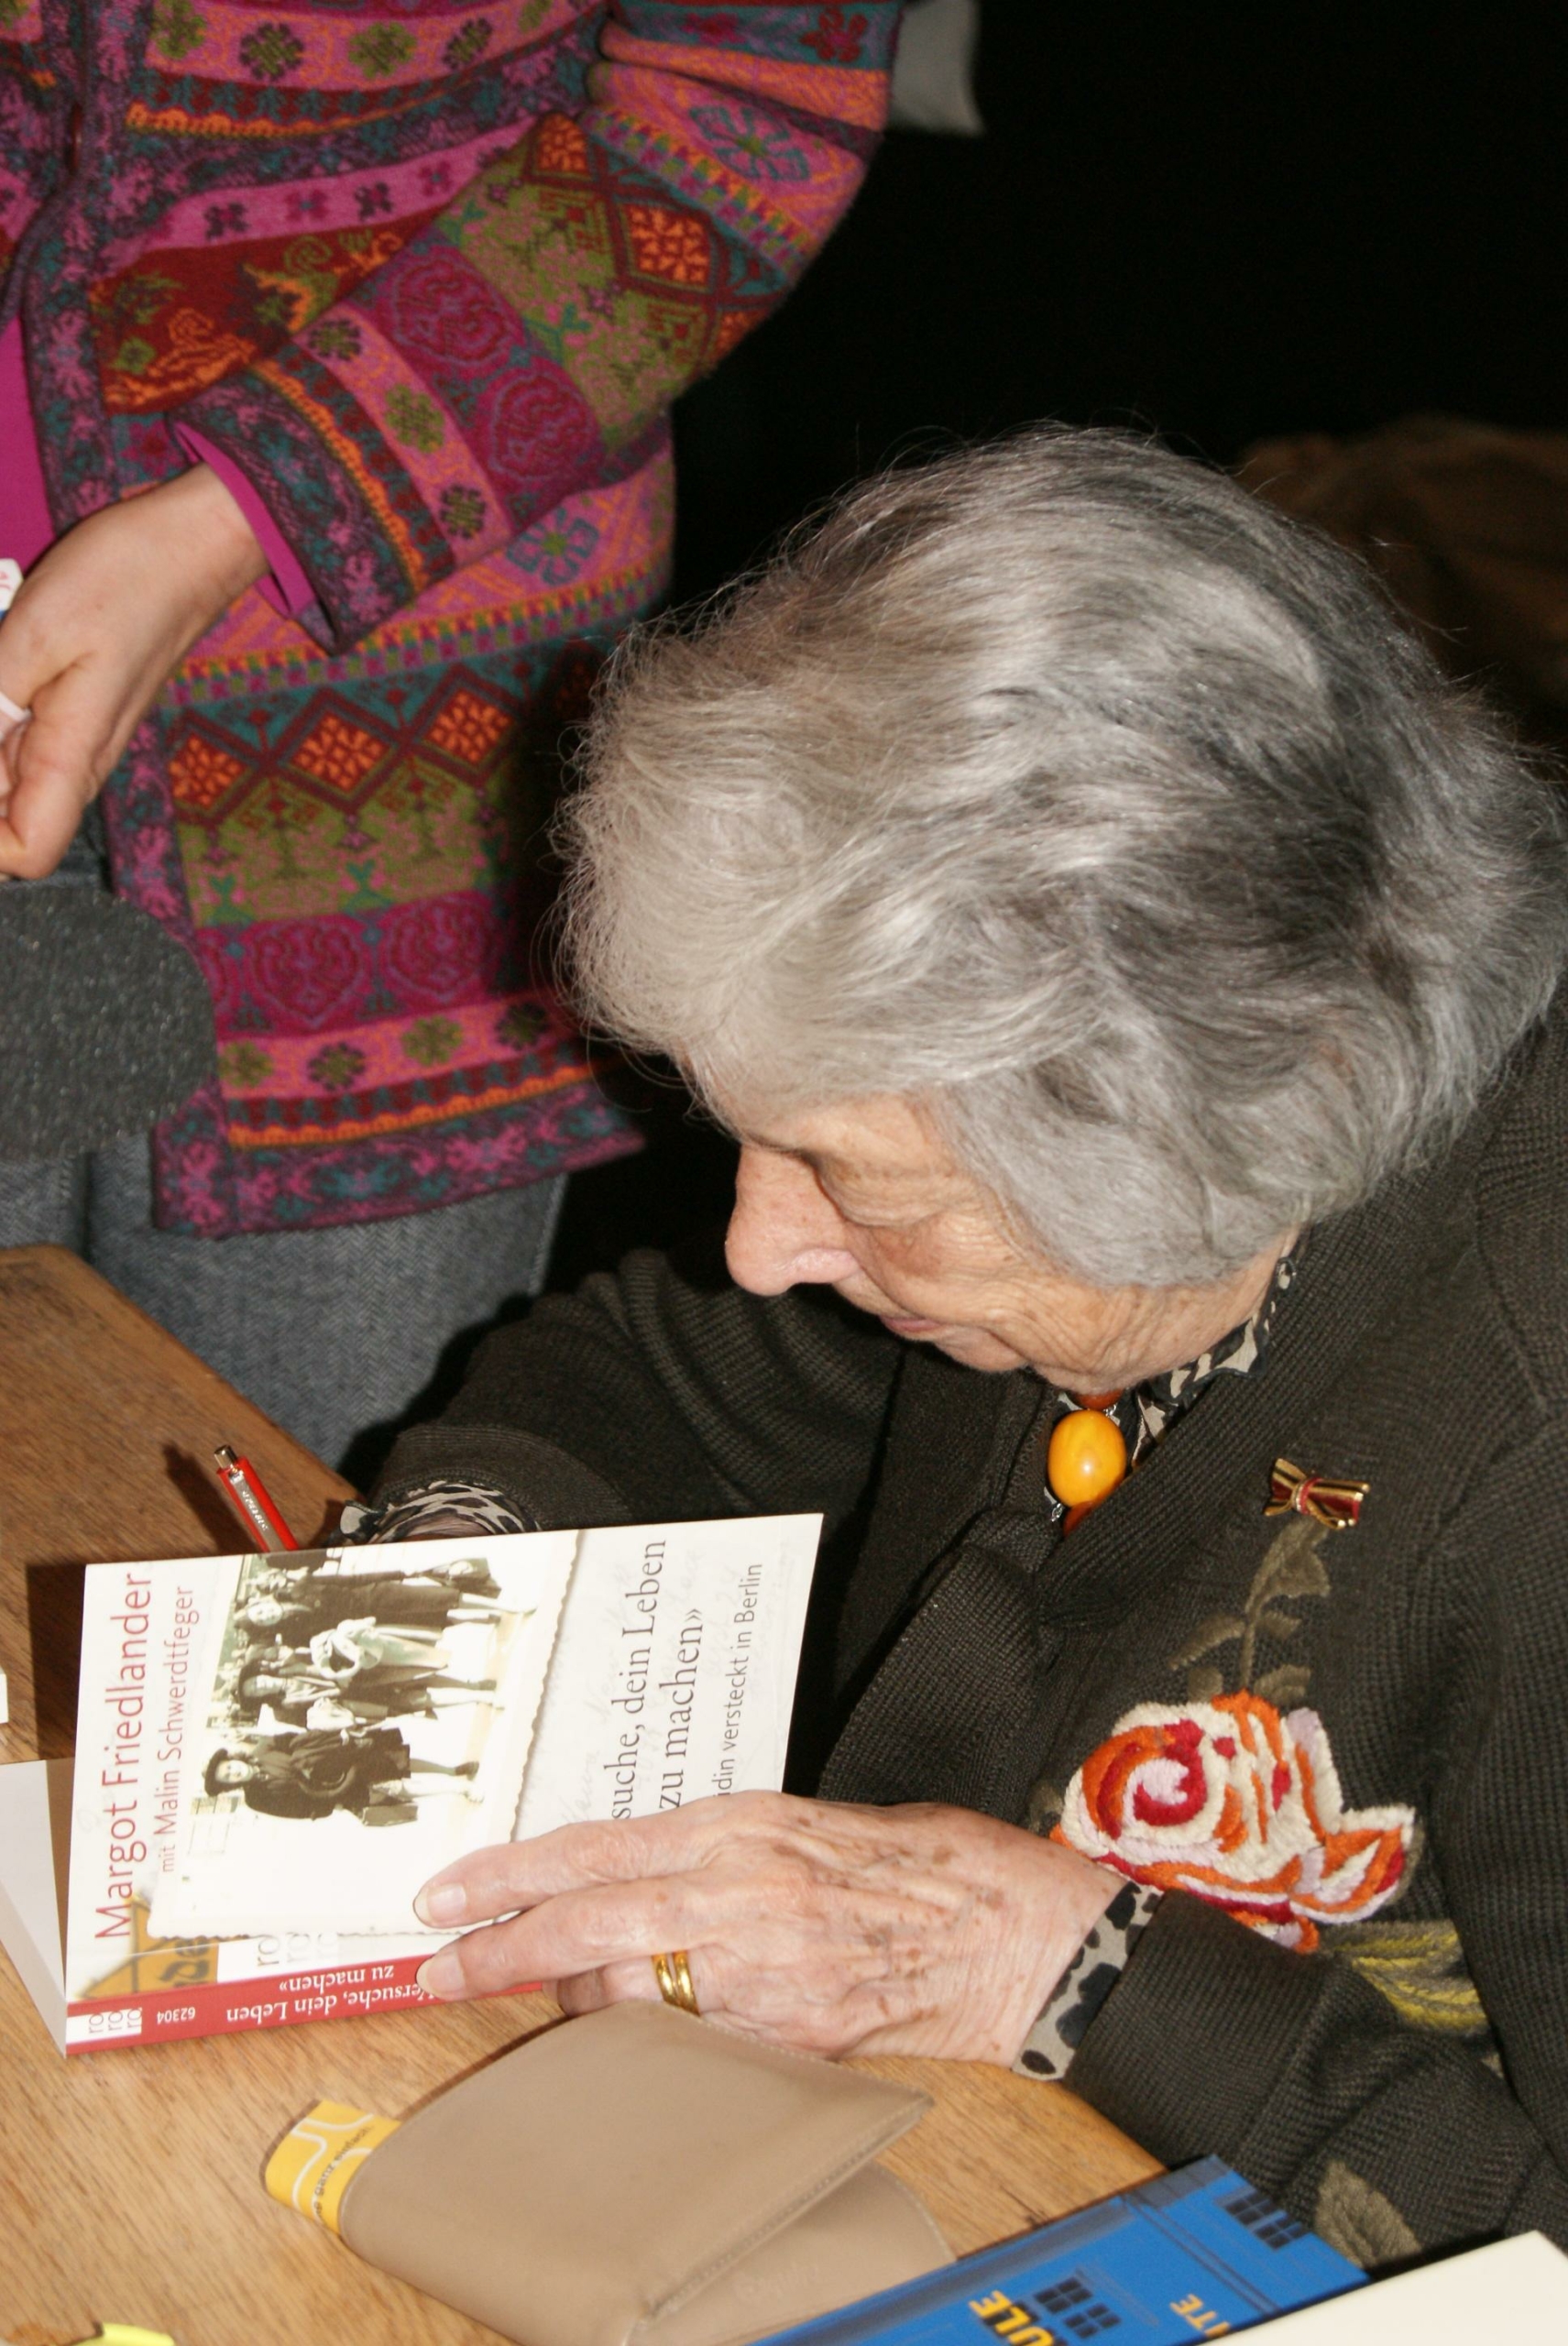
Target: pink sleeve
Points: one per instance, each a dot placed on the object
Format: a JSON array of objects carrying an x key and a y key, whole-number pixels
[
  {"x": 26, "y": 527},
  {"x": 288, "y": 589}
]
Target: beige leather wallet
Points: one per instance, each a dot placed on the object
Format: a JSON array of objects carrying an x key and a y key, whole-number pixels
[{"x": 633, "y": 2179}]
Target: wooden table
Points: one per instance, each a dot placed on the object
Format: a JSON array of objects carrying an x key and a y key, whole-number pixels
[{"x": 130, "y": 2180}]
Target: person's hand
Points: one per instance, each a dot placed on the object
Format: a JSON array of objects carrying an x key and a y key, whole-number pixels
[
  {"x": 333, "y": 1657},
  {"x": 95, "y": 629},
  {"x": 825, "y": 1927},
  {"x": 323, "y": 1712}
]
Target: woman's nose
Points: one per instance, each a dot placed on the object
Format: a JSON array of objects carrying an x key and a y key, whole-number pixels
[{"x": 782, "y": 1232}]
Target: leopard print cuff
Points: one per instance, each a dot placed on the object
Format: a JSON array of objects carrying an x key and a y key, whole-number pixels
[
  {"x": 432, "y": 1511},
  {"x": 1083, "y": 1987}
]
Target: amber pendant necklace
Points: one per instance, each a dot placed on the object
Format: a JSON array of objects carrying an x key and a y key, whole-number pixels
[{"x": 1087, "y": 1457}]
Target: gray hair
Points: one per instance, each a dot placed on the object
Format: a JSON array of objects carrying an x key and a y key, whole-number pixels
[{"x": 1065, "y": 788}]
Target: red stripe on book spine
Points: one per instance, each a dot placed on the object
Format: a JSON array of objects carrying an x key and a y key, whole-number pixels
[{"x": 224, "y": 2007}]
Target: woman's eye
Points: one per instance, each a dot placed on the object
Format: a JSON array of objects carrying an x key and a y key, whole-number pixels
[{"x": 881, "y": 1226}]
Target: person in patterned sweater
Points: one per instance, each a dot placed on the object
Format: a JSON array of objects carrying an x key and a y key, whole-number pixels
[
  {"x": 1133, "y": 973},
  {"x": 337, "y": 343}
]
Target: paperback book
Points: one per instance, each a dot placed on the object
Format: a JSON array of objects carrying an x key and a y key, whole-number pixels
[
  {"x": 1197, "y": 2253},
  {"x": 273, "y": 1752}
]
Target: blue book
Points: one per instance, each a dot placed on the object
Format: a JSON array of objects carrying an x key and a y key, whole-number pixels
[{"x": 1193, "y": 2254}]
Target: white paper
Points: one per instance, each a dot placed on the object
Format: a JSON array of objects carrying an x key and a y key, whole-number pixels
[
  {"x": 1508, "y": 2293},
  {"x": 30, "y": 1902},
  {"x": 673, "y": 1673}
]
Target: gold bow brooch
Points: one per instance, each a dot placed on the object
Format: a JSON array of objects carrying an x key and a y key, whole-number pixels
[{"x": 1324, "y": 1497}]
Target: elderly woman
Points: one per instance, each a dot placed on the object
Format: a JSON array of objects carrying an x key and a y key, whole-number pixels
[{"x": 1125, "y": 965}]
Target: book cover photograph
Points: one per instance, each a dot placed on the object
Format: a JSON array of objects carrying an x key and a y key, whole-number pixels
[
  {"x": 354, "y": 1724},
  {"x": 274, "y": 1752}
]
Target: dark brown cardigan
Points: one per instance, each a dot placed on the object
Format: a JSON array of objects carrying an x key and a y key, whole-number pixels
[{"x": 1408, "y": 2085}]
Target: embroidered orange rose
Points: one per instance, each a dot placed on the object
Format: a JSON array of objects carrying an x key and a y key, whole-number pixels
[{"x": 1232, "y": 1803}]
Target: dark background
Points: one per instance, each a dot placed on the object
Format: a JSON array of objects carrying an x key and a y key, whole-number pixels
[
  {"x": 1177, "y": 217},
  {"x": 1195, "y": 220}
]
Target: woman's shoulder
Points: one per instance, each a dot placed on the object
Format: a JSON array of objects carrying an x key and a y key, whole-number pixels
[{"x": 1521, "y": 1206}]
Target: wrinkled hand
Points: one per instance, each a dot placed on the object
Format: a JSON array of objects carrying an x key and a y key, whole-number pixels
[
  {"x": 828, "y": 1928},
  {"x": 95, "y": 629}
]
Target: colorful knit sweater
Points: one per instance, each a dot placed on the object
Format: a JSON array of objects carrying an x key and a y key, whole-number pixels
[{"x": 432, "y": 276}]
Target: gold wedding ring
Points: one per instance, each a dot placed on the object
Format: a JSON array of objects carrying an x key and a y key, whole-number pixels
[{"x": 673, "y": 1974}]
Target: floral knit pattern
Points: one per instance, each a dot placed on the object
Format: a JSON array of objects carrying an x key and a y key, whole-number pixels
[
  {"x": 430, "y": 277},
  {"x": 1241, "y": 1806}
]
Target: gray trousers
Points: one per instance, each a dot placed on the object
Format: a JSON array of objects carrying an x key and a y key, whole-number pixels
[{"x": 330, "y": 1331}]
